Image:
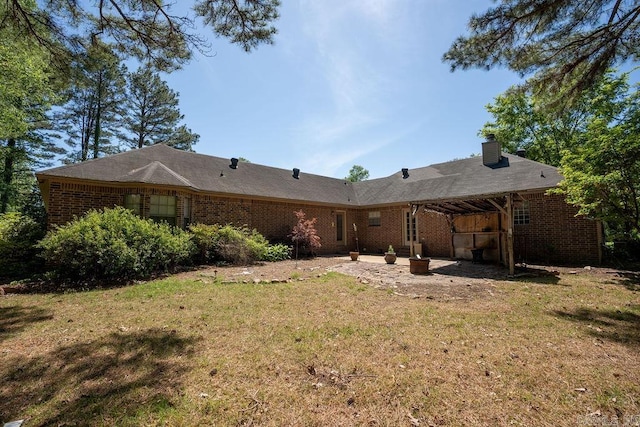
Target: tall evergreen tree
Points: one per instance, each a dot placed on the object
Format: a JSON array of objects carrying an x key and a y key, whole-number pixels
[
  {"x": 147, "y": 29},
  {"x": 153, "y": 114},
  {"x": 357, "y": 173},
  {"x": 92, "y": 116},
  {"x": 565, "y": 45}
]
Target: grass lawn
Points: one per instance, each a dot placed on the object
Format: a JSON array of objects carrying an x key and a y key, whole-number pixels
[{"x": 327, "y": 351}]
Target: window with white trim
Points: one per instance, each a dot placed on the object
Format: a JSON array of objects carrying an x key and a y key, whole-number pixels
[
  {"x": 163, "y": 208},
  {"x": 521, "y": 213},
  {"x": 374, "y": 219}
]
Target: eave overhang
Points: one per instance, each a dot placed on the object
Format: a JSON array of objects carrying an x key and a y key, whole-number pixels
[{"x": 471, "y": 204}]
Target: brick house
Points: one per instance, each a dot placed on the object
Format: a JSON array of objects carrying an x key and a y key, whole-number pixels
[{"x": 495, "y": 204}]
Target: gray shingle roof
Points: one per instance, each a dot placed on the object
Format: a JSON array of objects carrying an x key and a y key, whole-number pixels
[
  {"x": 163, "y": 165},
  {"x": 459, "y": 179}
]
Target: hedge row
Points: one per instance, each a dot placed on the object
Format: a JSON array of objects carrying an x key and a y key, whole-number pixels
[{"x": 117, "y": 244}]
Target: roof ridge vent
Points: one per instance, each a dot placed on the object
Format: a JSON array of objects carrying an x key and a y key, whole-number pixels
[
  {"x": 405, "y": 173},
  {"x": 296, "y": 173},
  {"x": 234, "y": 163}
]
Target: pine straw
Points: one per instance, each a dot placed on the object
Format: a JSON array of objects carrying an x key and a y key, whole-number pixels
[{"x": 323, "y": 351}]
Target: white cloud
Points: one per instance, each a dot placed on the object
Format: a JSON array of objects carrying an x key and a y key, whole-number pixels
[{"x": 352, "y": 43}]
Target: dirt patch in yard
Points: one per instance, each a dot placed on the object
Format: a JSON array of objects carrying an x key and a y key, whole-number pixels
[{"x": 446, "y": 280}]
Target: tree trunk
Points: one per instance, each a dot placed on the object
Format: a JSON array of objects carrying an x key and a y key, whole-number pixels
[
  {"x": 97, "y": 130},
  {"x": 7, "y": 174}
]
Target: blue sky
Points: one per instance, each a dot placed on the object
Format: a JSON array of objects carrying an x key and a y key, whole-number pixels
[{"x": 346, "y": 82}]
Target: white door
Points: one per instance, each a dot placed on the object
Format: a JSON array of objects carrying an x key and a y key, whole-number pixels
[{"x": 409, "y": 227}]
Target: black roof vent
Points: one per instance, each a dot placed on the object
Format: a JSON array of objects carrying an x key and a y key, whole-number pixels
[
  {"x": 405, "y": 173},
  {"x": 234, "y": 163},
  {"x": 521, "y": 152},
  {"x": 296, "y": 173}
]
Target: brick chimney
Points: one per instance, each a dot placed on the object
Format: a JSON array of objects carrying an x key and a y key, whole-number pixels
[{"x": 491, "y": 151}]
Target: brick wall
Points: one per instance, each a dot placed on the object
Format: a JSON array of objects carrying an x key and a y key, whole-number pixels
[
  {"x": 376, "y": 239},
  {"x": 554, "y": 234},
  {"x": 273, "y": 220},
  {"x": 70, "y": 200},
  {"x": 67, "y": 201},
  {"x": 221, "y": 210},
  {"x": 437, "y": 235},
  {"x": 433, "y": 231}
]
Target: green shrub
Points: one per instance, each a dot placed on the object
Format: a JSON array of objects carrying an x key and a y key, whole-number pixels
[
  {"x": 229, "y": 244},
  {"x": 205, "y": 237},
  {"x": 277, "y": 252},
  {"x": 115, "y": 243},
  {"x": 19, "y": 235}
]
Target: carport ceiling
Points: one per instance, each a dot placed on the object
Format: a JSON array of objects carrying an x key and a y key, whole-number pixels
[{"x": 464, "y": 207}]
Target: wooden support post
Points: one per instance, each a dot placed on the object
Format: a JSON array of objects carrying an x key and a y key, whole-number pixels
[
  {"x": 512, "y": 265},
  {"x": 501, "y": 258},
  {"x": 452, "y": 251}
]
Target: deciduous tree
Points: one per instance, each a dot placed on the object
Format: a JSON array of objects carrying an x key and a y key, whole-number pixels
[
  {"x": 304, "y": 234},
  {"x": 522, "y": 118},
  {"x": 27, "y": 92},
  {"x": 521, "y": 121},
  {"x": 594, "y": 143},
  {"x": 602, "y": 172}
]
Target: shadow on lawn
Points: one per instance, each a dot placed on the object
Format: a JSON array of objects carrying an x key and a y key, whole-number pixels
[
  {"x": 15, "y": 318},
  {"x": 488, "y": 270},
  {"x": 612, "y": 325},
  {"x": 104, "y": 381},
  {"x": 630, "y": 280}
]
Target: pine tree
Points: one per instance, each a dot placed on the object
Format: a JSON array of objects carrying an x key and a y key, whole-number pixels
[
  {"x": 143, "y": 29},
  {"x": 92, "y": 116},
  {"x": 357, "y": 173},
  {"x": 565, "y": 45},
  {"x": 153, "y": 114}
]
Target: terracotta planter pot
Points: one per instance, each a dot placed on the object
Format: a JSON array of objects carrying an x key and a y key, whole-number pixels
[
  {"x": 389, "y": 257},
  {"x": 419, "y": 265},
  {"x": 354, "y": 255}
]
